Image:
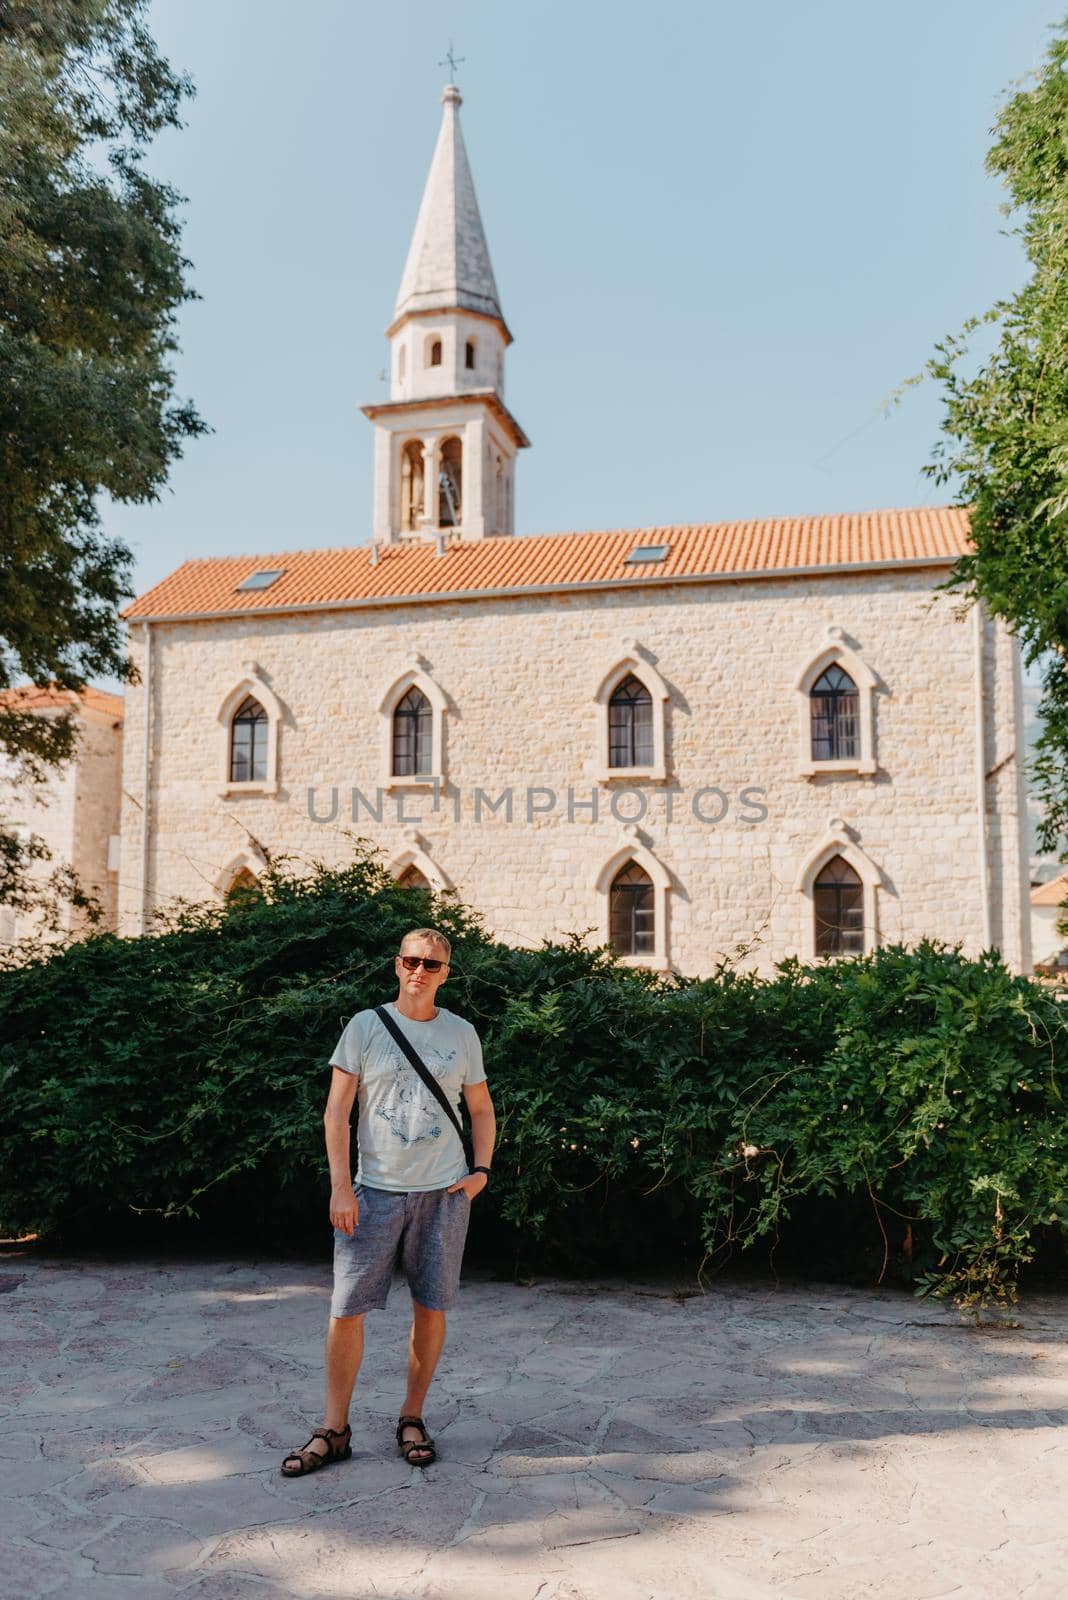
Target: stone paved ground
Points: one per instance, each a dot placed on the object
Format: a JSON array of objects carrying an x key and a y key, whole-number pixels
[{"x": 603, "y": 1442}]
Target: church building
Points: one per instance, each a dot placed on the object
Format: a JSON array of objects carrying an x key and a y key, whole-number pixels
[{"x": 731, "y": 741}]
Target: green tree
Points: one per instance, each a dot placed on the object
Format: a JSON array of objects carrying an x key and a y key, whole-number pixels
[
  {"x": 91, "y": 278},
  {"x": 1005, "y": 429}
]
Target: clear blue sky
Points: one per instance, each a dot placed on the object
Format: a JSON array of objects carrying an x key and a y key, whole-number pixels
[{"x": 722, "y": 235}]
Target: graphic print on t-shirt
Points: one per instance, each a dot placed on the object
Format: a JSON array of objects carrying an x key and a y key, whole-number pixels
[{"x": 408, "y": 1108}]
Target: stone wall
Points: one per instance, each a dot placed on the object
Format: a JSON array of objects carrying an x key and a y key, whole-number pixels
[
  {"x": 98, "y": 804},
  {"x": 76, "y": 810},
  {"x": 520, "y": 677}
]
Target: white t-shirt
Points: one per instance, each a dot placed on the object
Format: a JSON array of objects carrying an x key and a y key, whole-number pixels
[{"x": 405, "y": 1141}]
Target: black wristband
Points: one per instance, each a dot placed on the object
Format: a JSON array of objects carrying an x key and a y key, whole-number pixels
[{"x": 486, "y": 1170}]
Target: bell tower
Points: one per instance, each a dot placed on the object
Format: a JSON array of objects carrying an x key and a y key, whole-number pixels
[{"x": 445, "y": 442}]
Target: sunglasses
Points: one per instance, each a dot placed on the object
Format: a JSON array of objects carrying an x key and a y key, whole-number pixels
[{"x": 431, "y": 963}]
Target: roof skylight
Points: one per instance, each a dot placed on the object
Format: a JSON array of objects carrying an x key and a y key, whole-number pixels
[
  {"x": 648, "y": 552},
  {"x": 261, "y": 580}
]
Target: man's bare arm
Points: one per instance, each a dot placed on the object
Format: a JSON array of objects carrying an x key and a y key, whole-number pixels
[
  {"x": 344, "y": 1213},
  {"x": 483, "y": 1121},
  {"x": 483, "y": 1134}
]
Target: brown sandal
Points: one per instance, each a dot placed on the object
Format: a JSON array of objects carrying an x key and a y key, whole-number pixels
[
  {"x": 311, "y": 1460},
  {"x": 424, "y": 1447}
]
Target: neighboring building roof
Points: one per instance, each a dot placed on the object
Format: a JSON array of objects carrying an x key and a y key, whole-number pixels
[
  {"x": 32, "y": 696},
  {"x": 1053, "y": 893},
  {"x": 543, "y": 563},
  {"x": 448, "y": 265}
]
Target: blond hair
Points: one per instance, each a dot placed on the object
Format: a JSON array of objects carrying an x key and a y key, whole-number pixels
[{"x": 427, "y": 933}]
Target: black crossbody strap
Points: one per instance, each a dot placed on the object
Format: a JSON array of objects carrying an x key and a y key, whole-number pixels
[{"x": 431, "y": 1082}]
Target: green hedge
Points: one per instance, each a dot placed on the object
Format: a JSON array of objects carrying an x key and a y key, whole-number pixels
[{"x": 912, "y": 1097}]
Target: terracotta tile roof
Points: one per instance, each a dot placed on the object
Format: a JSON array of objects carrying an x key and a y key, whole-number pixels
[
  {"x": 1053, "y": 893},
  {"x": 556, "y": 561},
  {"x": 28, "y": 696}
]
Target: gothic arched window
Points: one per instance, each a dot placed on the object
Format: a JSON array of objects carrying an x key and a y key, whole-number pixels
[
  {"x": 451, "y": 484},
  {"x": 630, "y": 724},
  {"x": 244, "y": 884},
  {"x": 434, "y": 358},
  {"x": 412, "y": 878},
  {"x": 835, "y": 716},
  {"x": 411, "y": 486},
  {"x": 838, "y": 907},
  {"x": 413, "y": 729},
  {"x": 469, "y": 355},
  {"x": 248, "y": 743},
  {"x": 631, "y": 911}
]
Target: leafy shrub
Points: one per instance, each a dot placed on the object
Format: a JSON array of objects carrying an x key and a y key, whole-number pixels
[{"x": 640, "y": 1119}]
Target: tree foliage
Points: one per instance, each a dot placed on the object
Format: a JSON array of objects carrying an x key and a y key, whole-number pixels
[
  {"x": 91, "y": 279},
  {"x": 1005, "y": 429},
  {"x": 911, "y": 1102}
]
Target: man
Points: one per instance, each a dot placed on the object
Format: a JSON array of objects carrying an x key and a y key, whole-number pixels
[{"x": 413, "y": 1191}]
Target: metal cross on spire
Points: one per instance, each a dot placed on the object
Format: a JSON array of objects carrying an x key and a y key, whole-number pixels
[{"x": 452, "y": 61}]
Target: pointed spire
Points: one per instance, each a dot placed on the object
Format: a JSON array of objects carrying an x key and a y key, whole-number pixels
[{"x": 448, "y": 265}]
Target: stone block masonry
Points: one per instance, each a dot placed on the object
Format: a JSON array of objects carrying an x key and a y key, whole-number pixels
[{"x": 519, "y": 677}]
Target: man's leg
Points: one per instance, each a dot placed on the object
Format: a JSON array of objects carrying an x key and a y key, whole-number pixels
[
  {"x": 363, "y": 1266},
  {"x": 344, "y": 1352},
  {"x": 431, "y": 1253},
  {"x": 424, "y": 1347}
]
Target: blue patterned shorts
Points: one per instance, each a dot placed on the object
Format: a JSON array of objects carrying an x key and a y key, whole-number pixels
[{"x": 420, "y": 1232}]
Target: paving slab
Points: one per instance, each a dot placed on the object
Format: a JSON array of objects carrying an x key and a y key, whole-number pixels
[{"x": 599, "y": 1441}]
